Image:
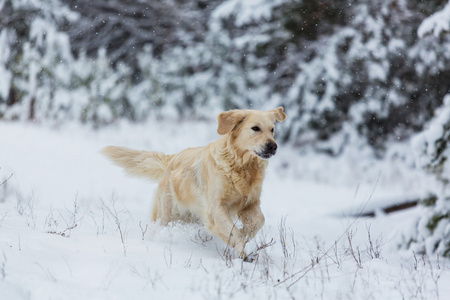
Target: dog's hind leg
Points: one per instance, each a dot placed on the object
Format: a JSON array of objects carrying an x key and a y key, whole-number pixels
[
  {"x": 156, "y": 214},
  {"x": 163, "y": 206},
  {"x": 166, "y": 209}
]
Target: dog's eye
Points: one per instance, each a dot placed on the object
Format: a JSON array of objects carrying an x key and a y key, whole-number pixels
[
  {"x": 256, "y": 128},
  {"x": 271, "y": 130}
]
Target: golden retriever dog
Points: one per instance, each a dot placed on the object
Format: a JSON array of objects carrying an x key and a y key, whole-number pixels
[{"x": 216, "y": 184}]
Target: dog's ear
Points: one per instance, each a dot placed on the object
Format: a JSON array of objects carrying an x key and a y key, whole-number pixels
[
  {"x": 279, "y": 114},
  {"x": 229, "y": 120}
]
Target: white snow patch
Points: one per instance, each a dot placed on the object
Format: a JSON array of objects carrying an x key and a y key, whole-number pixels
[{"x": 60, "y": 179}]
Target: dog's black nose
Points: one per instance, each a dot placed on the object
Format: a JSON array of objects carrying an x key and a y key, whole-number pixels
[{"x": 271, "y": 148}]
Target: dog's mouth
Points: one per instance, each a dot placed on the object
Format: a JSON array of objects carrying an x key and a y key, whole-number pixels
[
  {"x": 264, "y": 155},
  {"x": 268, "y": 151}
]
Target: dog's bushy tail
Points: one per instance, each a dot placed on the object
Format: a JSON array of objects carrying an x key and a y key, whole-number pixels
[{"x": 138, "y": 163}]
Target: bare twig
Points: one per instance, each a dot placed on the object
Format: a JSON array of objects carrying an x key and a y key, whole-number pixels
[
  {"x": 75, "y": 211},
  {"x": 355, "y": 254},
  {"x": 50, "y": 221},
  {"x": 115, "y": 214},
  {"x": 337, "y": 262},
  {"x": 373, "y": 250},
  {"x": 435, "y": 274},
  {"x": 188, "y": 262},
  {"x": 265, "y": 245},
  {"x": 26, "y": 209},
  {"x": 145, "y": 273},
  {"x": 254, "y": 255},
  {"x": 203, "y": 266},
  {"x": 335, "y": 258},
  {"x": 415, "y": 261},
  {"x": 143, "y": 231},
  {"x": 4, "y": 192},
  {"x": 6, "y": 180},
  {"x": 170, "y": 259},
  {"x": 3, "y": 267},
  {"x": 199, "y": 239},
  {"x": 227, "y": 254},
  {"x": 282, "y": 230},
  {"x": 63, "y": 233},
  {"x": 3, "y": 215}
]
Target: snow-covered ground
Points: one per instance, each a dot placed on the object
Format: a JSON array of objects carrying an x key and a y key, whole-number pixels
[{"x": 73, "y": 226}]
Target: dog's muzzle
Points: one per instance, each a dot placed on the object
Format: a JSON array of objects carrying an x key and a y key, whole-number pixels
[{"x": 268, "y": 151}]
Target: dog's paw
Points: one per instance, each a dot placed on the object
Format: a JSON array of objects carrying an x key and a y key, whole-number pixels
[{"x": 250, "y": 257}]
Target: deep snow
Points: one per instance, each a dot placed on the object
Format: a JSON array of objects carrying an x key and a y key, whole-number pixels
[{"x": 61, "y": 210}]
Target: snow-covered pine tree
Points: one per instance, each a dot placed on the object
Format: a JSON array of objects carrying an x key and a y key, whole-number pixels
[
  {"x": 344, "y": 70},
  {"x": 34, "y": 50},
  {"x": 200, "y": 80},
  {"x": 125, "y": 27},
  {"x": 98, "y": 91},
  {"x": 42, "y": 80},
  {"x": 365, "y": 72},
  {"x": 430, "y": 233}
]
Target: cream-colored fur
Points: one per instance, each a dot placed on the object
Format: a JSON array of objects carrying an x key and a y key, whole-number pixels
[{"x": 214, "y": 184}]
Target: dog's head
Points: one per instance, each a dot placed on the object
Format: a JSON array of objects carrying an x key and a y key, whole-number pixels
[{"x": 251, "y": 131}]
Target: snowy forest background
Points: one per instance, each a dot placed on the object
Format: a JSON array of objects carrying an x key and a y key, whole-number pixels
[{"x": 367, "y": 76}]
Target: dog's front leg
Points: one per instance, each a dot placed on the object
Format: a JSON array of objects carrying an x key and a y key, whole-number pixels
[
  {"x": 221, "y": 224},
  {"x": 252, "y": 220}
]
